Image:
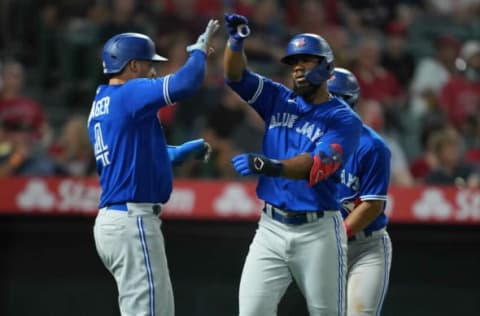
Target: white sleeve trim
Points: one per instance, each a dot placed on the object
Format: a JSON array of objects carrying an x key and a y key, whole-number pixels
[
  {"x": 166, "y": 95},
  {"x": 348, "y": 198},
  {"x": 373, "y": 197},
  {"x": 258, "y": 92}
]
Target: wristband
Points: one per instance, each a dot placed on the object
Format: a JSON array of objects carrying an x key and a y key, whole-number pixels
[
  {"x": 348, "y": 230},
  {"x": 260, "y": 164},
  {"x": 235, "y": 44}
]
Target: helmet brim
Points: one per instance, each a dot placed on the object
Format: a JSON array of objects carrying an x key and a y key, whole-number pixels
[
  {"x": 158, "y": 58},
  {"x": 288, "y": 60}
]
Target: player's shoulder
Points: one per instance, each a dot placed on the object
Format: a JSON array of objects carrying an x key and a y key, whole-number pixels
[
  {"x": 372, "y": 141},
  {"x": 341, "y": 110},
  {"x": 278, "y": 88},
  {"x": 101, "y": 89},
  {"x": 140, "y": 82}
]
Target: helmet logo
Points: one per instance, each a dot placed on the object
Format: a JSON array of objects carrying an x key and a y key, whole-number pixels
[{"x": 299, "y": 42}]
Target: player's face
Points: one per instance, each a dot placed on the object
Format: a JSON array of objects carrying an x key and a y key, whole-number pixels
[
  {"x": 146, "y": 69},
  {"x": 300, "y": 65}
]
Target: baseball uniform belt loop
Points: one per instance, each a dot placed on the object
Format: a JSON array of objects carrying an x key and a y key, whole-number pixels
[
  {"x": 156, "y": 208},
  {"x": 292, "y": 217},
  {"x": 367, "y": 234}
]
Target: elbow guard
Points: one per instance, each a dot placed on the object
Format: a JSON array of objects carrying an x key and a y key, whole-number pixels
[{"x": 324, "y": 165}]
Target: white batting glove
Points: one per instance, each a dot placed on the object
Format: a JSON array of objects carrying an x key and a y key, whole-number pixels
[{"x": 203, "y": 41}]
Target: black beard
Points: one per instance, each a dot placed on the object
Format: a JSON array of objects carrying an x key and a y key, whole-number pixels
[{"x": 305, "y": 91}]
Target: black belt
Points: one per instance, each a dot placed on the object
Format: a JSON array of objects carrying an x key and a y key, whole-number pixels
[
  {"x": 156, "y": 208},
  {"x": 367, "y": 234},
  {"x": 292, "y": 217}
]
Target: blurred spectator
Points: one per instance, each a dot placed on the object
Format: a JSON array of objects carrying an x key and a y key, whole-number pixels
[
  {"x": 395, "y": 57},
  {"x": 222, "y": 121},
  {"x": 432, "y": 73},
  {"x": 247, "y": 137},
  {"x": 374, "y": 13},
  {"x": 49, "y": 52},
  {"x": 378, "y": 84},
  {"x": 72, "y": 151},
  {"x": 423, "y": 164},
  {"x": 318, "y": 17},
  {"x": 14, "y": 104},
  {"x": 243, "y": 7},
  {"x": 22, "y": 152},
  {"x": 464, "y": 8},
  {"x": 460, "y": 96},
  {"x": 22, "y": 124},
  {"x": 312, "y": 17},
  {"x": 451, "y": 168},
  {"x": 178, "y": 15},
  {"x": 372, "y": 115},
  {"x": 472, "y": 154},
  {"x": 205, "y": 8},
  {"x": 265, "y": 44},
  {"x": 122, "y": 19}
]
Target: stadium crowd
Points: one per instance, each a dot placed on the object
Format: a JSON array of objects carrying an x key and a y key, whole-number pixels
[{"x": 417, "y": 61}]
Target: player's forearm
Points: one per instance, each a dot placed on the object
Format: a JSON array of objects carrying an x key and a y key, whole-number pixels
[
  {"x": 197, "y": 147},
  {"x": 189, "y": 77},
  {"x": 234, "y": 63},
  {"x": 364, "y": 214},
  {"x": 297, "y": 167}
]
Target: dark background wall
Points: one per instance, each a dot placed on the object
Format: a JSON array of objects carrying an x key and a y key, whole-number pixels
[{"x": 49, "y": 267}]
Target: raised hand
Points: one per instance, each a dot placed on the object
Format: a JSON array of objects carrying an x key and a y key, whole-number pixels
[
  {"x": 237, "y": 26},
  {"x": 203, "y": 41}
]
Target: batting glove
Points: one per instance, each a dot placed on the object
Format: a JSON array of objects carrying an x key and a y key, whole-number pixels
[
  {"x": 203, "y": 154},
  {"x": 247, "y": 164},
  {"x": 203, "y": 42},
  {"x": 237, "y": 26},
  {"x": 237, "y": 29}
]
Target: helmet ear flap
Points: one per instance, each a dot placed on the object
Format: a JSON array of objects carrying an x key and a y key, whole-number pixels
[{"x": 320, "y": 73}]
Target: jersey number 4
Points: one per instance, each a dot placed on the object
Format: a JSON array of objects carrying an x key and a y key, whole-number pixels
[{"x": 101, "y": 149}]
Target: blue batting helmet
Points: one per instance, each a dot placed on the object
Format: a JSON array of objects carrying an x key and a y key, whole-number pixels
[
  {"x": 345, "y": 85},
  {"x": 314, "y": 45},
  {"x": 122, "y": 48}
]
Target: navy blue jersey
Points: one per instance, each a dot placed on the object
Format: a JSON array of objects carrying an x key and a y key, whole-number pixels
[
  {"x": 365, "y": 176},
  {"x": 292, "y": 127},
  {"x": 128, "y": 139}
]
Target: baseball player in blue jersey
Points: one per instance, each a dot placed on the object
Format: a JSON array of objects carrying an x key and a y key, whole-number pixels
[
  {"x": 300, "y": 234},
  {"x": 362, "y": 193},
  {"x": 135, "y": 165}
]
